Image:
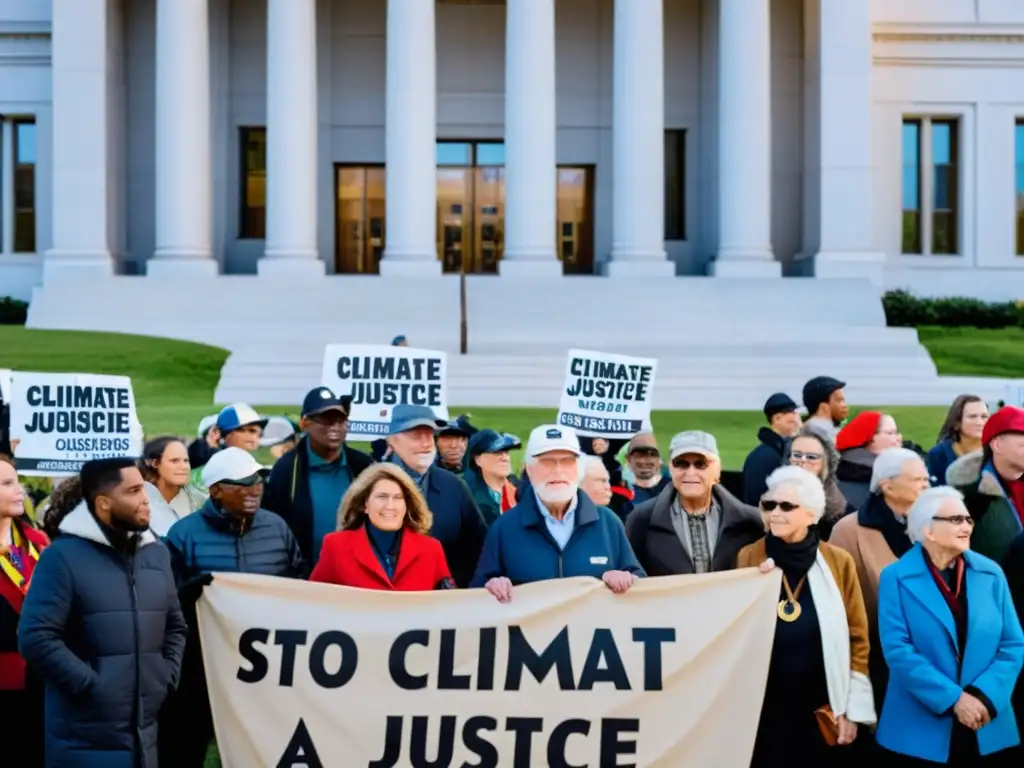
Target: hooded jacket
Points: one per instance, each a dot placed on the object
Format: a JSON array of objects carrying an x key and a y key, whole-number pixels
[
  {"x": 102, "y": 627},
  {"x": 997, "y": 523}
]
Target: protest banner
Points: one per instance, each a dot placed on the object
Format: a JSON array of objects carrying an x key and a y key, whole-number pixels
[
  {"x": 63, "y": 420},
  {"x": 379, "y": 377},
  {"x": 670, "y": 674},
  {"x": 607, "y": 395}
]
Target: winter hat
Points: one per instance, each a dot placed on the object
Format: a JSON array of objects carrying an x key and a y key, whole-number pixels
[
  {"x": 1009, "y": 418},
  {"x": 818, "y": 390},
  {"x": 859, "y": 431}
]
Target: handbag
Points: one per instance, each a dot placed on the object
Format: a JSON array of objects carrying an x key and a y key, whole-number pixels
[{"x": 827, "y": 724}]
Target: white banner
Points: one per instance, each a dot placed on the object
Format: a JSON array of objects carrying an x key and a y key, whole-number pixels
[
  {"x": 568, "y": 674},
  {"x": 62, "y": 420},
  {"x": 607, "y": 395},
  {"x": 379, "y": 377}
]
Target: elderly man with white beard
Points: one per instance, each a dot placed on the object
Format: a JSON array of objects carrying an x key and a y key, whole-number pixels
[
  {"x": 458, "y": 524},
  {"x": 555, "y": 531}
]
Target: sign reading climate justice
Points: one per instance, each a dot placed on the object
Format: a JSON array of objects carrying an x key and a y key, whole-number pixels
[
  {"x": 63, "y": 420},
  {"x": 568, "y": 674},
  {"x": 379, "y": 377},
  {"x": 606, "y": 395}
]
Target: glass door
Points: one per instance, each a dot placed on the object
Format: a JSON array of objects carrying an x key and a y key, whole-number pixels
[
  {"x": 454, "y": 213},
  {"x": 360, "y": 238},
  {"x": 575, "y": 228},
  {"x": 489, "y": 223}
]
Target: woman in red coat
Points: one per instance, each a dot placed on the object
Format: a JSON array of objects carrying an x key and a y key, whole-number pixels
[
  {"x": 383, "y": 539},
  {"x": 21, "y": 698}
]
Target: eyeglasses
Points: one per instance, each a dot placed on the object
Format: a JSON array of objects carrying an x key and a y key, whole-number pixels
[
  {"x": 956, "y": 519},
  {"x": 684, "y": 464},
  {"x": 770, "y": 505},
  {"x": 801, "y": 456}
]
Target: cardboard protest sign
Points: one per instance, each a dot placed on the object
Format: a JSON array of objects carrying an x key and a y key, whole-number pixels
[
  {"x": 379, "y": 377},
  {"x": 63, "y": 420},
  {"x": 607, "y": 395},
  {"x": 304, "y": 674}
]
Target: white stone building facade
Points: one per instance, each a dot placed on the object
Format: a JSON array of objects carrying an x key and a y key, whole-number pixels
[{"x": 188, "y": 139}]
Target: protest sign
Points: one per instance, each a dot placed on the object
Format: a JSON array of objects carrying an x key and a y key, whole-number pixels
[
  {"x": 607, "y": 395},
  {"x": 671, "y": 674},
  {"x": 63, "y": 420},
  {"x": 379, "y": 377}
]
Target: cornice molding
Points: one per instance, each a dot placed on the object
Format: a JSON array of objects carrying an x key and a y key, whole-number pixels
[
  {"x": 948, "y": 33},
  {"x": 24, "y": 30}
]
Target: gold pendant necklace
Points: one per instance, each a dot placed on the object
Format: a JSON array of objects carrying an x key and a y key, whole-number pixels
[{"x": 789, "y": 610}]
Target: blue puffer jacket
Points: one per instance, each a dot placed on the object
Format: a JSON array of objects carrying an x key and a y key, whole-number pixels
[
  {"x": 210, "y": 541},
  {"x": 104, "y": 630}
]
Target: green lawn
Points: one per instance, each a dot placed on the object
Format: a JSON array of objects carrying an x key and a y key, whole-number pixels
[{"x": 174, "y": 381}]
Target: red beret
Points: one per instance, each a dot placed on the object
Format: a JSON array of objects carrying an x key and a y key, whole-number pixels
[
  {"x": 1009, "y": 418},
  {"x": 859, "y": 431}
]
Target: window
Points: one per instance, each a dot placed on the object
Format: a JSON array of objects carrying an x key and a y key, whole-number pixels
[
  {"x": 931, "y": 186},
  {"x": 253, "y": 218},
  {"x": 24, "y": 185},
  {"x": 1019, "y": 185},
  {"x": 675, "y": 184}
]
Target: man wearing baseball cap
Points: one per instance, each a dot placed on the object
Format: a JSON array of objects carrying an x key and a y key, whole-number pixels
[
  {"x": 238, "y": 426},
  {"x": 230, "y": 533},
  {"x": 452, "y": 443},
  {"x": 458, "y": 524},
  {"x": 555, "y": 531},
  {"x": 992, "y": 485},
  {"x": 307, "y": 484},
  {"x": 696, "y": 525},
  {"x": 783, "y": 423}
]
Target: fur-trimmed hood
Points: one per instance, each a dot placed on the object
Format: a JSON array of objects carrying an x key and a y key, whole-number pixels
[{"x": 970, "y": 469}]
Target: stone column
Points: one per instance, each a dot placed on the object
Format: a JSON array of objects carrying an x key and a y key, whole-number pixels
[
  {"x": 291, "y": 247},
  {"x": 184, "y": 181},
  {"x": 411, "y": 141},
  {"x": 81, "y": 246},
  {"x": 842, "y": 125},
  {"x": 531, "y": 182},
  {"x": 745, "y": 141},
  {"x": 638, "y": 141}
]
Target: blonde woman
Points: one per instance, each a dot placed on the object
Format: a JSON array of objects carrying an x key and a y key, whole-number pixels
[
  {"x": 819, "y": 662},
  {"x": 383, "y": 540}
]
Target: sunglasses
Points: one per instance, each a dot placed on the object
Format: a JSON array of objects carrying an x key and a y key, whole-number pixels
[
  {"x": 956, "y": 519},
  {"x": 651, "y": 453},
  {"x": 801, "y": 456},
  {"x": 770, "y": 505},
  {"x": 245, "y": 482},
  {"x": 697, "y": 464}
]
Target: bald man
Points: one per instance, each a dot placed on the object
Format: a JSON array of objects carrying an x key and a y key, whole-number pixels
[{"x": 644, "y": 460}]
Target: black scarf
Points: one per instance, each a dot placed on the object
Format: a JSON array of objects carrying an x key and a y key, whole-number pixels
[
  {"x": 878, "y": 515},
  {"x": 794, "y": 559}
]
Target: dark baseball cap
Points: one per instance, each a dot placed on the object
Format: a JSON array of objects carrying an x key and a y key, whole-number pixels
[
  {"x": 780, "y": 402},
  {"x": 818, "y": 390},
  {"x": 322, "y": 399}
]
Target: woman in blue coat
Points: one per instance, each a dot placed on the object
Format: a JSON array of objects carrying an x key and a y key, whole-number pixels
[{"x": 952, "y": 641}]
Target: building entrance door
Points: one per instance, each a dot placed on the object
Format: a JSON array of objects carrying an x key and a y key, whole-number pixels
[
  {"x": 359, "y": 199},
  {"x": 470, "y": 206}
]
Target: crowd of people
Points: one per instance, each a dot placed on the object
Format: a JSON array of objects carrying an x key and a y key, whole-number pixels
[{"x": 898, "y": 629}]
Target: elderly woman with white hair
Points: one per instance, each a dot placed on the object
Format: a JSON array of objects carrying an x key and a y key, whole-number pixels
[
  {"x": 596, "y": 481},
  {"x": 953, "y": 644},
  {"x": 818, "y": 690},
  {"x": 877, "y": 536}
]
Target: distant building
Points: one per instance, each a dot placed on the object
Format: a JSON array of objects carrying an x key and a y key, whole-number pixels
[{"x": 190, "y": 138}]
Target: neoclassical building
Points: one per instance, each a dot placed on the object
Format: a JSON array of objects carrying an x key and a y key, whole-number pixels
[{"x": 195, "y": 139}]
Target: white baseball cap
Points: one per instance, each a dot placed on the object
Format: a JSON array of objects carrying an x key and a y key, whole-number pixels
[
  {"x": 231, "y": 464},
  {"x": 552, "y": 437}
]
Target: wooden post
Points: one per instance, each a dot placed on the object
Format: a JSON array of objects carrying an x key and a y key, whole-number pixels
[{"x": 463, "y": 324}]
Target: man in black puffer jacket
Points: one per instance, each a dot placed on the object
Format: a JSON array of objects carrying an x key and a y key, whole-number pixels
[{"x": 102, "y": 627}]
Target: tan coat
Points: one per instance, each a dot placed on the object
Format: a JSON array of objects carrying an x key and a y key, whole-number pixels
[
  {"x": 871, "y": 553},
  {"x": 844, "y": 571}
]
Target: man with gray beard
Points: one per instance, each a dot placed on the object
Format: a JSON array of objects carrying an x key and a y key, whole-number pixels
[
  {"x": 458, "y": 524},
  {"x": 555, "y": 531}
]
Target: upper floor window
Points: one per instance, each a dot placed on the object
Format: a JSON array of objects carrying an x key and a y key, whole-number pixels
[
  {"x": 675, "y": 184},
  {"x": 253, "y": 216},
  {"x": 931, "y": 186},
  {"x": 20, "y": 211}
]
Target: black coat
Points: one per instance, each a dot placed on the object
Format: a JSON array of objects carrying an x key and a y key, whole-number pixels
[
  {"x": 287, "y": 491},
  {"x": 661, "y": 553},
  {"x": 458, "y": 524},
  {"x": 761, "y": 462},
  {"x": 104, "y": 630}
]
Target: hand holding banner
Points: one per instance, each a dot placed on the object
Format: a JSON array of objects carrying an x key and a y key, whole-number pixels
[{"x": 671, "y": 674}]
